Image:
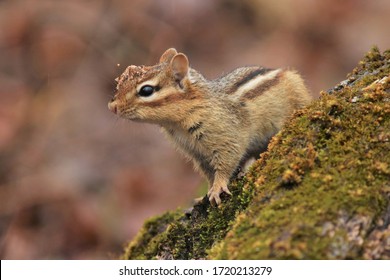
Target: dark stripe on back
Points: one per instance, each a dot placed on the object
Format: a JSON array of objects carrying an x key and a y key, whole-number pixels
[
  {"x": 263, "y": 87},
  {"x": 251, "y": 75}
]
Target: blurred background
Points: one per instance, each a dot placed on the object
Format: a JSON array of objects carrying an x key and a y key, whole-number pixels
[{"x": 76, "y": 182}]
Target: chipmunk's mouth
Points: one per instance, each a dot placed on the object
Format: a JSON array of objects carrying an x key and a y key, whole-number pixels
[
  {"x": 129, "y": 114},
  {"x": 113, "y": 106}
]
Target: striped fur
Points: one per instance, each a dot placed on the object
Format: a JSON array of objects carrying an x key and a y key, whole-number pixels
[
  {"x": 262, "y": 86},
  {"x": 254, "y": 82},
  {"x": 251, "y": 75}
]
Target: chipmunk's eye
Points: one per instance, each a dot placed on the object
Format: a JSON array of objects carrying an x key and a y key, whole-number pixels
[{"x": 146, "y": 91}]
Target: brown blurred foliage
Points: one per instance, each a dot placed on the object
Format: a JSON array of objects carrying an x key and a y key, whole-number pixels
[{"x": 76, "y": 182}]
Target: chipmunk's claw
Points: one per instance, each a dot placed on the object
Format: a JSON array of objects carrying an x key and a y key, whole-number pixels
[
  {"x": 214, "y": 195},
  {"x": 226, "y": 190}
]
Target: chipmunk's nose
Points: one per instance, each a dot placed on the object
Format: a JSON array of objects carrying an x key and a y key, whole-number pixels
[{"x": 113, "y": 106}]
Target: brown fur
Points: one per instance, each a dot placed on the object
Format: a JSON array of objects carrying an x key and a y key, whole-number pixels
[{"x": 218, "y": 124}]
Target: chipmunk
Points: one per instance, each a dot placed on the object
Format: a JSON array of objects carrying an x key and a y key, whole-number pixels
[{"x": 219, "y": 124}]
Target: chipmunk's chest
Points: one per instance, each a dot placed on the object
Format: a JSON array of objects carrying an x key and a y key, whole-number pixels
[{"x": 189, "y": 138}]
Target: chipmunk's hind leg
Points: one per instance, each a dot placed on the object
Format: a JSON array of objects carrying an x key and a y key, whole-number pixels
[{"x": 244, "y": 167}]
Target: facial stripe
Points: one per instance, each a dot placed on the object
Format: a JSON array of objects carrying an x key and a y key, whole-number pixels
[
  {"x": 262, "y": 87},
  {"x": 166, "y": 97},
  {"x": 169, "y": 99},
  {"x": 151, "y": 82}
]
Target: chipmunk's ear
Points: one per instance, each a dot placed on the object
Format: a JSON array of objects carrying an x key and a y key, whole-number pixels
[
  {"x": 168, "y": 55},
  {"x": 179, "y": 66}
]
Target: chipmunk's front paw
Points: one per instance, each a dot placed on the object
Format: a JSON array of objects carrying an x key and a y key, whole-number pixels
[{"x": 214, "y": 194}]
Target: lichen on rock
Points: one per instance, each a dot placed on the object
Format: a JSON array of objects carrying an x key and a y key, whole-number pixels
[{"x": 321, "y": 191}]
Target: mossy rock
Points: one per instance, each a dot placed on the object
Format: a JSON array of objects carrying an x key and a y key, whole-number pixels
[{"x": 321, "y": 191}]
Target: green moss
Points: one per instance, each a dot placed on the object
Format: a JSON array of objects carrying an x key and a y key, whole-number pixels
[
  {"x": 147, "y": 241},
  {"x": 317, "y": 193},
  {"x": 189, "y": 234}
]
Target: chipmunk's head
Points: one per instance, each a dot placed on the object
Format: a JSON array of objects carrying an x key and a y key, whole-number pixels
[{"x": 154, "y": 93}]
